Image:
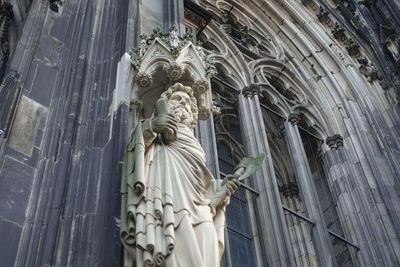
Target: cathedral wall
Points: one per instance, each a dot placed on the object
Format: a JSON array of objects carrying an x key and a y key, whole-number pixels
[
  {"x": 68, "y": 109},
  {"x": 60, "y": 174}
]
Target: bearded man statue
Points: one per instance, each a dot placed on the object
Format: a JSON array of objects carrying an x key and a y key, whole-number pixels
[{"x": 172, "y": 207}]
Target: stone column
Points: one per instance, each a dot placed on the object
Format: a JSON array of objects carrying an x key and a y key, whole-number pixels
[
  {"x": 299, "y": 229},
  {"x": 355, "y": 206},
  {"x": 174, "y": 15},
  {"x": 205, "y": 133},
  {"x": 274, "y": 234},
  {"x": 153, "y": 14},
  {"x": 308, "y": 191}
]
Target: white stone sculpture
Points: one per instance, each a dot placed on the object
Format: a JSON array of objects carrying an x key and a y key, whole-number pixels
[{"x": 172, "y": 207}]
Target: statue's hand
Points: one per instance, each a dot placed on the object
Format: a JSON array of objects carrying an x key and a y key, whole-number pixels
[
  {"x": 229, "y": 185},
  {"x": 166, "y": 125}
]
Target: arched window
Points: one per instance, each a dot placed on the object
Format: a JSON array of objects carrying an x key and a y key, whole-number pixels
[
  {"x": 240, "y": 249},
  {"x": 300, "y": 224}
]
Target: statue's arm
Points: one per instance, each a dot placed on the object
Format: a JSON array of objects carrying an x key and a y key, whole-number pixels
[{"x": 222, "y": 191}]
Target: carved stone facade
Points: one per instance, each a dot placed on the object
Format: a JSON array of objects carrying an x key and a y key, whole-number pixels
[{"x": 313, "y": 84}]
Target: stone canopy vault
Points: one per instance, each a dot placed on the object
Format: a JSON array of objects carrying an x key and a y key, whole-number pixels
[{"x": 163, "y": 60}]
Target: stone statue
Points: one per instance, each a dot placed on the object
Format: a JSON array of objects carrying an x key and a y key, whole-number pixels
[{"x": 172, "y": 207}]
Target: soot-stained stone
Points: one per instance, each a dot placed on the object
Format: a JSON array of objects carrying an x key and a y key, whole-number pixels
[
  {"x": 15, "y": 186},
  {"x": 43, "y": 85},
  {"x": 26, "y": 123},
  {"x": 10, "y": 234}
]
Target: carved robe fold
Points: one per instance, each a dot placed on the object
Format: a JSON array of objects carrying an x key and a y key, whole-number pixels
[{"x": 165, "y": 218}]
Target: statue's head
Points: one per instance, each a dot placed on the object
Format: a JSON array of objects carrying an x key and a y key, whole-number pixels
[{"x": 182, "y": 104}]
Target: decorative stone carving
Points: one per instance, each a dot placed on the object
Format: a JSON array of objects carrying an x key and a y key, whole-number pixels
[
  {"x": 353, "y": 49},
  {"x": 144, "y": 80},
  {"x": 251, "y": 90},
  {"x": 339, "y": 33},
  {"x": 323, "y": 16},
  {"x": 294, "y": 118},
  {"x": 173, "y": 210},
  {"x": 136, "y": 104},
  {"x": 204, "y": 113},
  {"x": 211, "y": 70},
  {"x": 168, "y": 58},
  {"x": 174, "y": 71},
  {"x": 55, "y": 5},
  {"x": 200, "y": 87},
  {"x": 310, "y": 4},
  {"x": 215, "y": 109},
  {"x": 369, "y": 70},
  {"x": 335, "y": 141}
]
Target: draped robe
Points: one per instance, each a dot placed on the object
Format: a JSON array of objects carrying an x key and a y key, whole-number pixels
[{"x": 166, "y": 189}]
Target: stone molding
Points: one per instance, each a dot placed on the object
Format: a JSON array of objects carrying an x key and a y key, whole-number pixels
[
  {"x": 294, "y": 118},
  {"x": 335, "y": 141},
  {"x": 251, "y": 90},
  {"x": 143, "y": 79}
]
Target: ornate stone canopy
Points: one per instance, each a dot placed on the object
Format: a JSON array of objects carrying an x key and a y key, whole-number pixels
[{"x": 165, "y": 59}]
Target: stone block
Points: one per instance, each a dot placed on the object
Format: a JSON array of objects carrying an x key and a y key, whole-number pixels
[
  {"x": 49, "y": 50},
  {"x": 57, "y": 28},
  {"x": 43, "y": 84},
  {"x": 27, "y": 120},
  {"x": 10, "y": 234},
  {"x": 15, "y": 186}
]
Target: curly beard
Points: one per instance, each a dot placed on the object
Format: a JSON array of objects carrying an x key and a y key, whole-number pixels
[{"x": 182, "y": 115}]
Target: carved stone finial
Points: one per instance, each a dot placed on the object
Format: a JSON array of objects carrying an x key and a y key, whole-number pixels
[
  {"x": 251, "y": 90},
  {"x": 143, "y": 79},
  {"x": 156, "y": 33},
  {"x": 173, "y": 37},
  {"x": 294, "y": 118},
  {"x": 335, "y": 141}
]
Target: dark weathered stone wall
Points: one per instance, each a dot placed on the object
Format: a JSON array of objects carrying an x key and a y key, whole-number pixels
[
  {"x": 61, "y": 150},
  {"x": 60, "y": 161},
  {"x": 374, "y": 26}
]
